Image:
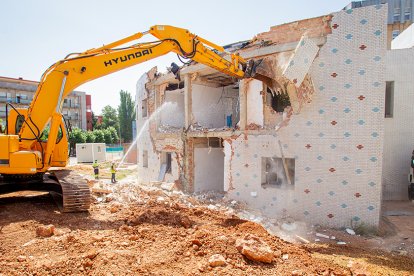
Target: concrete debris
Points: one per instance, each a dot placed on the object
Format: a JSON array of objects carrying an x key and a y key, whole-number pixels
[
  {"x": 21, "y": 258},
  {"x": 212, "y": 207},
  {"x": 168, "y": 186},
  {"x": 322, "y": 236},
  {"x": 358, "y": 268},
  {"x": 91, "y": 254},
  {"x": 285, "y": 257},
  {"x": 254, "y": 249},
  {"x": 160, "y": 199},
  {"x": 297, "y": 273},
  {"x": 216, "y": 260},
  {"x": 341, "y": 243},
  {"x": 45, "y": 231},
  {"x": 101, "y": 191},
  {"x": 350, "y": 231},
  {"x": 185, "y": 222},
  {"x": 302, "y": 239}
]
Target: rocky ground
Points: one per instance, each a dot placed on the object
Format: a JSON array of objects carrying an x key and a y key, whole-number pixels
[{"x": 157, "y": 231}]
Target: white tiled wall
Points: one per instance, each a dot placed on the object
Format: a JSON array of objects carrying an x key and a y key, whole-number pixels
[{"x": 337, "y": 140}]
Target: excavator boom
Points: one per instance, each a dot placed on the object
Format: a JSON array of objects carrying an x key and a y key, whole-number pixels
[{"x": 23, "y": 152}]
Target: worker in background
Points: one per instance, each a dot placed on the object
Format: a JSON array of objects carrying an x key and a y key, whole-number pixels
[
  {"x": 113, "y": 171},
  {"x": 95, "y": 167}
]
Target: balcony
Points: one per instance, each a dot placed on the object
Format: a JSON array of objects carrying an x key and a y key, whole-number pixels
[
  {"x": 70, "y": 105},
  {"x": 23, "y": 101},
  {"x": 14, "y": 100}
]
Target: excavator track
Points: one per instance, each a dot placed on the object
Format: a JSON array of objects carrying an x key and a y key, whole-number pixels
[
  {"x": 76, "y": 195},
  {"x": 69, "y": 190}
]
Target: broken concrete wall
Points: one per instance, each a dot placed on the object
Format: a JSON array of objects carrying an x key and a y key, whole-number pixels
[
  {"x": 211, "y": 105},
  {"x": 336, "y": 140},
  {"x": 150, "y": 153},
  {"x": 173, "y": 116},
  {"x": 399, "y": 127},
  {"x": 208, "y": 169},
  {"x": 244, "y": 169},
  {"x": 254, "y": 103}
]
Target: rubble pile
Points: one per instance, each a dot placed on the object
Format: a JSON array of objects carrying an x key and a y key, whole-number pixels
[
  {"x": 139, "y": 229},
  {"x": 142, "y": 230}
]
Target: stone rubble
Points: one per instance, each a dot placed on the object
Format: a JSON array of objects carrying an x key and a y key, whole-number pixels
[{"x": 254, "y": 249}]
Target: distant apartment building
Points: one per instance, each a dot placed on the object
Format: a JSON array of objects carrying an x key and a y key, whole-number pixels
[
  {"x": 20, "y": 92},
  {"x": 400, "y": 14}
]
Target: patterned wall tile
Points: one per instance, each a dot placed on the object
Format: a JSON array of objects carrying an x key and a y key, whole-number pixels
[{"x": 337, "y": 139}]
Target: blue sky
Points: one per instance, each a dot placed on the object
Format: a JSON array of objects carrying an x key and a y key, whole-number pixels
[{"x": 35, "y": 34}]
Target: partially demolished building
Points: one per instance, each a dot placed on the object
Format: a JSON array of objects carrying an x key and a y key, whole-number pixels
[{"x": 308, "y": 144}]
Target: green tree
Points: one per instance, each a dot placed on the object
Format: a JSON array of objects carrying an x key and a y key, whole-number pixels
[
  {"x": 114, "y": 134},
  {"x": 77, "y": 136},
  {"x": 99, "y": 136},
  {"x": 94, "y": 121},
  {"x": 107, "y": 136},
  {"x": 90, "y": 137},
  {"x": 109, "y": 117},
  {"x": 126, "y": 114}
]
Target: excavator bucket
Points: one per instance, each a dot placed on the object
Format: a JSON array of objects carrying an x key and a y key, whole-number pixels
[{"x": 261, "y": 69}]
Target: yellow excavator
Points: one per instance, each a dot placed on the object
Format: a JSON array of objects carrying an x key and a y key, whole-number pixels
[{"x": 26, "y": 157}]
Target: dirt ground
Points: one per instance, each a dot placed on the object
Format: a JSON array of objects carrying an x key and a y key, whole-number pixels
[{"x": 160, "y": 233}]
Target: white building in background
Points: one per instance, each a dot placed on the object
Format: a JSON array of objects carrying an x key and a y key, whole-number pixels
[{"x": 399, "y": 121}]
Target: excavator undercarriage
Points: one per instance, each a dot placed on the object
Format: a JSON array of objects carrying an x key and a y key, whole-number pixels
[{"x": 69, "y": 190}]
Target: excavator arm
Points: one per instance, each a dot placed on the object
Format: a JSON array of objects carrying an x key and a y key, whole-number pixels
[
  {"x": 67, "y": 74},
  {"x": 25, "y": 157}
]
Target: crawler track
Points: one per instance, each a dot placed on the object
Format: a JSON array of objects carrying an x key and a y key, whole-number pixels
[
  {"x": 68, "y": 188},
  {"x": 76, "y": 196}
]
